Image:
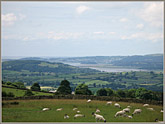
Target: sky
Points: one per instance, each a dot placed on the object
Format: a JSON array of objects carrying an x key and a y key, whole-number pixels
[{"x": 73, "y": 29}]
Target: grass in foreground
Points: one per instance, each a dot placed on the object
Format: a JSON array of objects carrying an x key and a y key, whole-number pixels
[{"x": 30, "y": 111}]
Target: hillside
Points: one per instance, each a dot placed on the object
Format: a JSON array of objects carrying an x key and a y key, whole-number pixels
[
  {"x": 143, "y": 62},
  {"x": 43, "y": 66},
  {"x": 150, "y": 62}
]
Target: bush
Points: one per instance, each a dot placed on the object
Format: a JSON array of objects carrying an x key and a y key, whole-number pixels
[
  {"x": 14, "y": 103},
  {"x": 102, "y": 92},
  {"x": 35, "y": 87},
  {"x": 28, "y": 93},
  {"x": 4, "y": 94},
  {"x": 10, "y": 94}
]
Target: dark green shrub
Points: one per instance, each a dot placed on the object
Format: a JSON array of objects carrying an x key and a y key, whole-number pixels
[
  {"x": 10, "y": 94},
  {"x": 14, "y": 103},
  {"x": 28, "y": 93},
  {"x": 4, "y": 94}
]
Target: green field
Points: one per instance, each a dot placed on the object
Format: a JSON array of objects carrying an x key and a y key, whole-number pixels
[
  {"x": 19, "y": 92},
  {"x": 102, "y": 79},
  {"x": 30, "y": 111}
]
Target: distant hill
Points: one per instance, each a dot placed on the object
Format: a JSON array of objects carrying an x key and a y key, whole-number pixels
[
  {"x": 151, "y": 62},
  {"x": 43, "y": 66}
]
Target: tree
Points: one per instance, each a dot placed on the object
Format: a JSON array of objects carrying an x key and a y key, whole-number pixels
[
  {"x": 10, "y": 94},
  {"x": 82, "y": 89},
  {"x": 94, "y": 84},
  {"x": 4, "y": 94},
  {"x": 101, "y": 92},
  {"x": 64, "y": 88},
  {"x": 131, "y": 93},
  {"x": 110, "y": 92},
  {"x": 19, "y": 85},
  {"x": 121, "y": 93},
  {"x": 28, "y": 93},
  {"x": 35, "y": 87},
  {"x": 142, "y": 93}
]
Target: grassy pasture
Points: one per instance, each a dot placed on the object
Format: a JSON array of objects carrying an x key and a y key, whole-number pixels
[
  {"x": 19, "y": 92},
  {"x": 30, "y": 111}
]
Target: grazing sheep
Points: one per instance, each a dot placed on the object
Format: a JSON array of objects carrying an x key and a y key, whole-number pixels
[
  {"x": 151, "y": 109},
  {"x": 128, "y": 106},
  {"x": 97, "y": 110},
  {"x": 117, "y": 105},
  {"x": 125, "y": 115},
  {"x": 126, "y": 110},
  {"x": 145, "y": 105},
  {"x": 66, "y": 116},
  {"x": 78, "y": 111},
  {"x": 161, "y": 111},
  {"x": 60, "y": 109},
  {"x": 78, "y": 115},
  {"x": 75, "y": 109},
  {"x": 137, "y": 111},
  {"x": 119, "y": 113},
  {"x": 98, "y": 117},
  {"x": 89, "y": 100},
  {"x": 109, "y": 103},
  {"x": 45, "y": 109},
  {"x": 130, "y": 117}
]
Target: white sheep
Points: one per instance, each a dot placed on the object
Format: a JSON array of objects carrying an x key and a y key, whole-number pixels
[
  {"x": 59, "y": 109},
  {"x": 126, "y": 110},
  {"x": 130, "y": 117},
  {"x": 89, "y": 100},
  {"x": 66, "y": 116},
  {"x": 161, "y": 111},
  {"x": 45, "y": 109},
  {"x": 99, "y": 117},
  {"x": 97, "y": 110},
  {"x": 151, "y": 109},
  {"x": 109, "y": 103},
  {"x": 117, "y": 105},
  {"x": 78, "y": 112},
  {"x": 137, "y": 111},
  {"x": 75, "y": 109},
  {"x": 78, "y": 115},
  {"x": 145, "y": 105},
  {"x": 119, "y": 113},
  {"x": 128, "y": 106}
]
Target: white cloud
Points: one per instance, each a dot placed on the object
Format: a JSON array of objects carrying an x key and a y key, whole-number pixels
[
  {"x": 98, "y": 32},
  {"x": 82, "y": 9},
  {"x": 139, "y": 26},
  {"x": 154, "y": 37},
  {"x": 10, "y": 18},
  {"x": 112, "y": 33},
  {"x": 152, "y": 13},
  {"x": 63, "y": 35},
  {"x": 21, "y": 16},
  {"x": 123, "y": 20}
]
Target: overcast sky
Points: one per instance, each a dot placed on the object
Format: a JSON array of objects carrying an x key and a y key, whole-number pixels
[{"x": 81, "y": 28}]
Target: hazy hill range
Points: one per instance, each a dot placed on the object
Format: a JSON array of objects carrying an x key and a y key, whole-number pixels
[
  {"x": 150, "y": 62},
  {"x": 154, "y": 61},
  {"x": 43, "y": 66}
]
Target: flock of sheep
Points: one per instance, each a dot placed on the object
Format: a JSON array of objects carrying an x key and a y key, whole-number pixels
[{"x": 99, "y": 117}]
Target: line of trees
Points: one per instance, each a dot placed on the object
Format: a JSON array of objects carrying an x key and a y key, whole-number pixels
[
  {"x": 82, "y": 89},
  {"x": 140, "y": 93}
]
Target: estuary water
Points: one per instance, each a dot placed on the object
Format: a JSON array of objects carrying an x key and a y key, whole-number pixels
[{"x": 106, "y": 67}]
